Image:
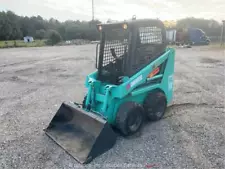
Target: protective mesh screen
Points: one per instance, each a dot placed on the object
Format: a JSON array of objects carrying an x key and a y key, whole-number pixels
[
  {"x": 150, "y": 35},
  {"x": 115, "y": 40}
]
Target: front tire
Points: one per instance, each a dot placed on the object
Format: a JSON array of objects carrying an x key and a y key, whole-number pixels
[
  {"x": 155, "y": 105},
  {"x": 130, "y": 118}
]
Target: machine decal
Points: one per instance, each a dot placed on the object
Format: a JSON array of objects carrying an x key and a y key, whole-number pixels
[
  {"x": 128, "y": 87},
  {"x": 170, "y": 82},
  {"x": 154, "y": 72},
  {"x": 138, "y": 79}
]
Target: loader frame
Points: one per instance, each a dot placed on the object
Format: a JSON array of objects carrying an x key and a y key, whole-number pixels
[{"x": 135, "y": 71}]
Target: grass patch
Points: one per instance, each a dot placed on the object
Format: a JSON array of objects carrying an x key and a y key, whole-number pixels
[
  {"x": 21, "y": 43},
  {"x": 217, "y": 45}
]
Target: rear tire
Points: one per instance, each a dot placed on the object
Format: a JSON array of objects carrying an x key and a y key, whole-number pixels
[
  {"x": 130, "y": 118},
  {"x": 155, "y": 105}
]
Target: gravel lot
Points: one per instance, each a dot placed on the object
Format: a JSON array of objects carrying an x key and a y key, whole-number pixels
[{"x": 35, "y": 81}]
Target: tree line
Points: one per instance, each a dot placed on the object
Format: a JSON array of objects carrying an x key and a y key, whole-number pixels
[
  {"x": 210, "y": 26},
  {"x": 14, "y": 27}
]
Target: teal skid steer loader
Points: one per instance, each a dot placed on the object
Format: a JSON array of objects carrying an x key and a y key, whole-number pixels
[{"x": 133, "y": 82}]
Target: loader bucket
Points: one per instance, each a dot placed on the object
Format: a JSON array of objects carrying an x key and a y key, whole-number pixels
[{"x": 82, "y": 134}]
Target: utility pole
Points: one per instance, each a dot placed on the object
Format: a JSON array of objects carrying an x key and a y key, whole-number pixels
[
  {"x": 222, "y": 38},
  {"x": 93, "y": 17}
]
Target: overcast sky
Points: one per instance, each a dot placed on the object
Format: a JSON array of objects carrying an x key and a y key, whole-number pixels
[{"x": 117, "y": 9}]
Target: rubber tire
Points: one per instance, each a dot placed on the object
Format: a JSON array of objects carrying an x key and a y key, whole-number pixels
[
  {"x": 154, "y": 103},
  {"x": 128, "y": 110}
]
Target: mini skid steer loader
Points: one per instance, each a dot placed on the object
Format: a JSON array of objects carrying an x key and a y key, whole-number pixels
[{"x": 133, "y": 81}]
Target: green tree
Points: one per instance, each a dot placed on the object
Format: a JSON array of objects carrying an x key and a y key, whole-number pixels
[
  {"x": 9, "y": 28},
  {"x": 210, "y": 26},
  {"x": 40, "y": 34},
  {"x": 54, "y": 37},
  {"x": 14, "y": 27}
]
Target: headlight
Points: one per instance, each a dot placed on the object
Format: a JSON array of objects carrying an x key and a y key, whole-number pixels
[
  {"x": 124, "y": 26},
  {"x": 99, "y": 27}
]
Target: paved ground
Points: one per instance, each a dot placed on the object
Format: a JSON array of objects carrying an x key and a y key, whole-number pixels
[{"x": 35, "y": 81}]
